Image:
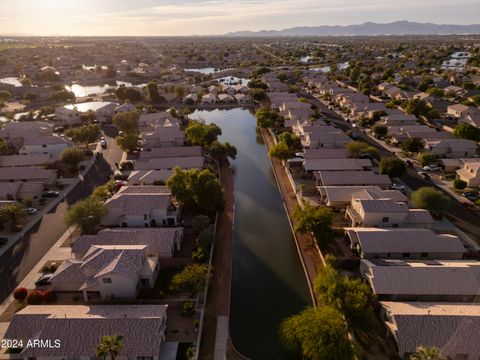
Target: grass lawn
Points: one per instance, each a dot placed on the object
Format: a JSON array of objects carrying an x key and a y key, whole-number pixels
[
  {"x": 15, "y": 46},
  {"x": 164, "y": 278}
]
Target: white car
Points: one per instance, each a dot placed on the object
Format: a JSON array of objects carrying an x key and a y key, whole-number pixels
[
  {"x": 354, "y": 125},
  {"x": 395, "y": 186},
  {"x": 432, "y": 168},
  {"x": 31, "y": 211}
]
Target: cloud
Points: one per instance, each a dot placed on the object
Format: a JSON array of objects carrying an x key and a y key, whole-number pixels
[{"x": 184, "y": 17}]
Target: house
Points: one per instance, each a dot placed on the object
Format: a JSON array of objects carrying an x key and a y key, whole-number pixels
[
  {"x": 243, "y": 99},
  {"x": 392, "y": 91},
  {"x": 407, "y": 280},
  {"x": 367, "y": 211},
  {"x": 68, "y": 116},
  {"x": 20, "y": 190},
  {"x": 170, "y": 136},
  {"x": 323, "y": 153},
  {"x": 336, "y": 164},
  {"x": 159, "y": 242},
  {"x": 190, "y": 99},
  {"x": 149, "y": 177},
  {"x": 106, "y": 112},
  {"x": 351, "y": 178},
  {"x": 126, "y": 107},
  {"x": 471, "y": 119},
  {"x": 339, "y": 197},
  {"x": 333, "y": 139},
  {"x": 454, "y": 90},
  {"x": 399, "y": 120},
  {"x": 209, "y": 98},
  {"x": 141, "y": 206},
  {"x": 78, "y": 329},
  {"x": 107, "y": 272},
  {"x": 278, "y": 98},
  {"x": 168, "y": 163},
  {"x": 459, "y": 110},
  {"x": 404, "y": 243},
  {"x": 226, "y": 99},
  {"x": 53, "y": 145},
  {"x": 453, "y": 148},
  {"x": 450, "y": 327},
  {"x": 150, "y": 122},
  {"x": 25, "y": 160},
  {"x": 174, "y": 151},
  {"x": 28, "y": 174},
  {"x": 470, "y": 173}
]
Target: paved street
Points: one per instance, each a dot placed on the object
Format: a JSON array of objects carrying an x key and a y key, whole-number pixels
[
  {"x": 20, "y": 259},
  {"x": 458, "y": 214}
]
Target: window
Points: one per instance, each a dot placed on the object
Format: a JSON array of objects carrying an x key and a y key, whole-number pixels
[
  {"x": 406, "y": 255},
  {"x": 107, "y": 280},
  {"x": 145, "y": 217},
  {"x": 144, "y": 358},
  {"x": 389, "y": 255},
  {"x": 424, "y": 255},
  {"x": 385, "y": 219}
]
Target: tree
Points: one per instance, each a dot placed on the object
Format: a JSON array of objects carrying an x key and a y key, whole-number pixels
[
  {"x": 281, "y": 151},
  {"x": 110, "y": 346},
  {"x": 459, "y": 184},
  {"x": 221, "y": 151},
  {"x": 268, "y": 118},
  {"x": 317, "y": 334},
  {"x": 427, "y": 158},
  {"x": 86, "y": 214},
  {"x": 12, "y": 212},
  {"x": 431, "y": 199},
  {"x": 199, "y": 189},
  {"x": 467, "y": 131},
  {"x": 104, "y": 192},
  {"x": 3, "y": 146},
  {"x": 314, "y": 220},
  {"x": 20, "y": 294},
  {"x": 127, "y": 122},
  {"x": 85, "y": 134},
  {"x": 73, "y": 157},
  {"x": 191, "y": 279},
  {"x": 128, "y": 141},
  {"x": 258, "y": 95},
  {"x": 5, "y": 95},
  {"x": 62, "y": 95},
  {"x": 128, "y": 93},
  {"x": 413, "y": 145},
  {"x": 427, "y": 353},
  {"x": 292, "y": 141},
  {"x": 200, "y": 223},
  {"x": 153, "y": 95},
  {"x": 380, "y": 131},
  {"x": 357, "y": 148},
  {"x": 351, "y": 297},
  {"x": 393, "y": 167},
  {"x": 202, "y": 134},
  {"x": 416, "y": 107}
]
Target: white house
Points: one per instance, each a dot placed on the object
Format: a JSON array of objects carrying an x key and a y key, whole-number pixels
[
  {"x": 107, "y": 272},
  {"x": 67, "y": 116},
  {"x": 141, "y": 206},
  {"x": 52, "y": 145}
]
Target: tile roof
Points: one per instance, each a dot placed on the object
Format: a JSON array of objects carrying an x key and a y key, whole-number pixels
[
  {"x": 158, "y": 241},
  {"x": 187, "y": 162},
  {"x": 451, "y": 327},
  {"x": 431, "y": 277},
  {"x": 80, "y": 328}
]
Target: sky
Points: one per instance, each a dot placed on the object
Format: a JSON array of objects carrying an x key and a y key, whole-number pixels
[{"x": 204, "y": 17}]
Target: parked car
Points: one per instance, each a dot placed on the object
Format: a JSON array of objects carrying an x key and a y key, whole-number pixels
[
  {"x": 103, "y": 143},
  {"x": 432, "y": 168},
  {"x": 50, "y": 194},
  {"x": 396, "y": 186},
  {"x": 409, "y": 163},
  {"x": 43, "y": 280},
  {"x": 424, "y": 175},
  {"x": 299, "y": 155},
  {"x": 365, "y": 156},
  {"x": 354, "y": 125},
  {"x": 3, "y": 240},
  {"x": 31, "y": 211},
  {"x": 472, "y": 195}
]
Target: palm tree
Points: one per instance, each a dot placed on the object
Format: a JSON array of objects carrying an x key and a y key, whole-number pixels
[
  {"x": 427, "y": 353},
  {"x": 110, "y": 345},
  {"x": 12, "y": 212}
]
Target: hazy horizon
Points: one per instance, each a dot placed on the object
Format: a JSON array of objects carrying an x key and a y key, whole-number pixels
[{"x": 215, "y": 17}]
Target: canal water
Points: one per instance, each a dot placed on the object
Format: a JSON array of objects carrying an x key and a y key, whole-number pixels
[{"x": 268, "y": 282}]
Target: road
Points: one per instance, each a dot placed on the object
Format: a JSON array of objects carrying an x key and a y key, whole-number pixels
[
  {"x": 20, "y": 259},
  {"x": 459, "y": 215}
]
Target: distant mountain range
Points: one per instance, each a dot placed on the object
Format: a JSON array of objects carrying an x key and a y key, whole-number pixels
[{"x": 368, "y": 28}]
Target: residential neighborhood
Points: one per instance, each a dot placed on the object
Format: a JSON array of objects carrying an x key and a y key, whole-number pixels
[{"x": 307, "y": 193}]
